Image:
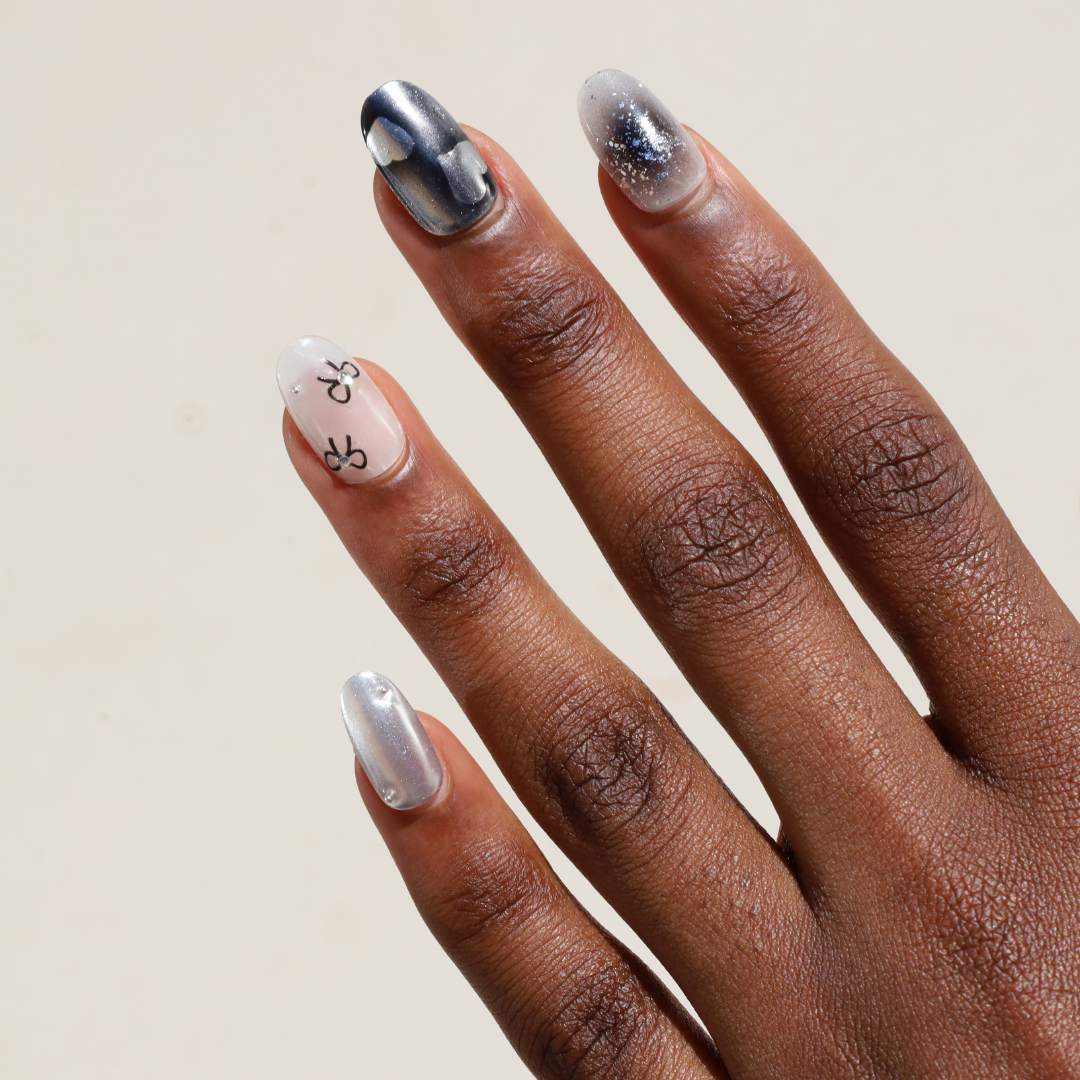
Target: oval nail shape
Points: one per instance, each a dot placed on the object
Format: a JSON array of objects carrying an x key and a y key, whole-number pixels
[
  {"x": 390, "y": 742},
  {"x": 339, "y": 410},
  {"x": 430, "y": 164},
  {"x": 640, "y": 143}
]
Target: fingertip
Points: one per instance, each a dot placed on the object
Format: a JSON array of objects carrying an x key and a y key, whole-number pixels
[{"x": 300, "y": 453}]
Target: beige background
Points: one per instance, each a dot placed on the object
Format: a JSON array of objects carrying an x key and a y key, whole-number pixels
[{"x": 189, "y": 885}]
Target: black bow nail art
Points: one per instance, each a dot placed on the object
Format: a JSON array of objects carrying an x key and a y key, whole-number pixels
[
  {"x": 337, "y": 460},
  {"x": 428, "y": 161},
  {"x": 341, "y": 382}
]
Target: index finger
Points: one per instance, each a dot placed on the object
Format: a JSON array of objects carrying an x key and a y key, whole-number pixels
[{"x": 880, "y": 469}]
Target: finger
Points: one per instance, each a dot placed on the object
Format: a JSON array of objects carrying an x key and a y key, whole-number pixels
[
  {"x": 571, "y": 1000},
  {"x": 590, "y": 751},
  {"x": 882, "y": 472},
  {"x": 687, "y": 519}
]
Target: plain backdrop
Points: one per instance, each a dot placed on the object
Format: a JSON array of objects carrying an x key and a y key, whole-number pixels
[{"x": 189, "y": 885}]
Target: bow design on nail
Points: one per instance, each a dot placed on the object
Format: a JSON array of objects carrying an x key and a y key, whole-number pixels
[
  {"x": 341, "y": 380},
  {"x": 338, "y": 460}
]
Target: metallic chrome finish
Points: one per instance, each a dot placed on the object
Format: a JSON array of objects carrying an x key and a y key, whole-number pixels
[
  {"x": 390, "y": 742},
  {"x": 429, "y": 162}
]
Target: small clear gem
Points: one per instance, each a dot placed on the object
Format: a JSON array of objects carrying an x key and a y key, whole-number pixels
[
  {"x": 297, "y": 389},
  {"x": 344, "y": 378},
  {"x": 343, "y": 461}
]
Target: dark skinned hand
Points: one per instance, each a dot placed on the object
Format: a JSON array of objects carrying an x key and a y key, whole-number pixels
[{"x": 919, "y": 915}]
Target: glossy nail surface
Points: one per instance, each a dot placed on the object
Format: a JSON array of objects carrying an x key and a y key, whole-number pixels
[
  {"x": 390, "y": 742},
  {"x": 340, "y": 411},
  {"x": 428, "y": 161},
  {"x": 643, "y": 148}
]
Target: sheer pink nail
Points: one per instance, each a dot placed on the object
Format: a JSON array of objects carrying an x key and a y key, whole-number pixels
[{"x": 339, "y": 410}]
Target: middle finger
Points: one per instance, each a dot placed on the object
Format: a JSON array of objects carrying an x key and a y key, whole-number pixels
[{"x": 687, "y": 519}]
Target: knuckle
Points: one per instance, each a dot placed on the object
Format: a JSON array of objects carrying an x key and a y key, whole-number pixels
[
  {"x": 899, "y": 464},
  {"x": 496, "y": 888},
  {"x": 544, "y": 317},
  {"x": 459, "y": 561},
  {"x": 608, "y": 765},
  {"x": 718, "y": 537},
  {"x": 600, "y": 1029}
]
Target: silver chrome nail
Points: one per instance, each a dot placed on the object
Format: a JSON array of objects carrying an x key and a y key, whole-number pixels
[
  {"x": 390, "y": 742},
  {"x": 640, "y": 143}
]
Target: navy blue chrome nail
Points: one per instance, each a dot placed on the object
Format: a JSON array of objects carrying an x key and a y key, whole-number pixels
[{"x": 428, "y": 161}]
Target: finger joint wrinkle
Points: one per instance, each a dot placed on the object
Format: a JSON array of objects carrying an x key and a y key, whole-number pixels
[
  {"x": 718, "y": 538},
  {"x": 765, "y": 299},
  {"x": 495, "y": 889},
  {"x": 545, "y": 318},
  {"x": 904, "y": 465},
  {"x": 608, "y": 766},
  {"x": 599, "y": 1030},
  {"x": 460, "y": 565}
]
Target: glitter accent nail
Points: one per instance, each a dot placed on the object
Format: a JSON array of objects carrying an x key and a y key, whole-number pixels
[{"x": 641, "y": 145}]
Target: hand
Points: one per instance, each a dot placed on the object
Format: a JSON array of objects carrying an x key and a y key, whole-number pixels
[{"x": 919, "y": 915}]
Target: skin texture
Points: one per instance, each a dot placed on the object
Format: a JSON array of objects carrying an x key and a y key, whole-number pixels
[{"x": 920, "y": 915}]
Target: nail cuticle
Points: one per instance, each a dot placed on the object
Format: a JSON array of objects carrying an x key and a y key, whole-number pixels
[
  {"x": 433, "y": 805},
  {"x": 394, "y": 472},
  {"x": 702, "y": 194},
  {"x": 441, "y": 797},
  {"x": 485, "y": 224},
  {"x": 489, "y": 221}
]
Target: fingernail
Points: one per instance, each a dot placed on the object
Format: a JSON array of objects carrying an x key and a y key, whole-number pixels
[
  {"x": 340, "y": 411},
  {"x": 428, "y": 161},
  {"x": 643, "y": 148},
  {"x": 390, "y": 742}
]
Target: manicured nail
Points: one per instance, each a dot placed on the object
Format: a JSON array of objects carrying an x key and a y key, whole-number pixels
[
  {"x": 390, "y": 742},
  {"x": 427, "y": 160},
  {"x": 340, "y": 411},
  {"x": 644, "y": 149}
]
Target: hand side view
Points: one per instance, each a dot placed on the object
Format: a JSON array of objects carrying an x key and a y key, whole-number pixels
[{"x": 920, "y": 914}]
